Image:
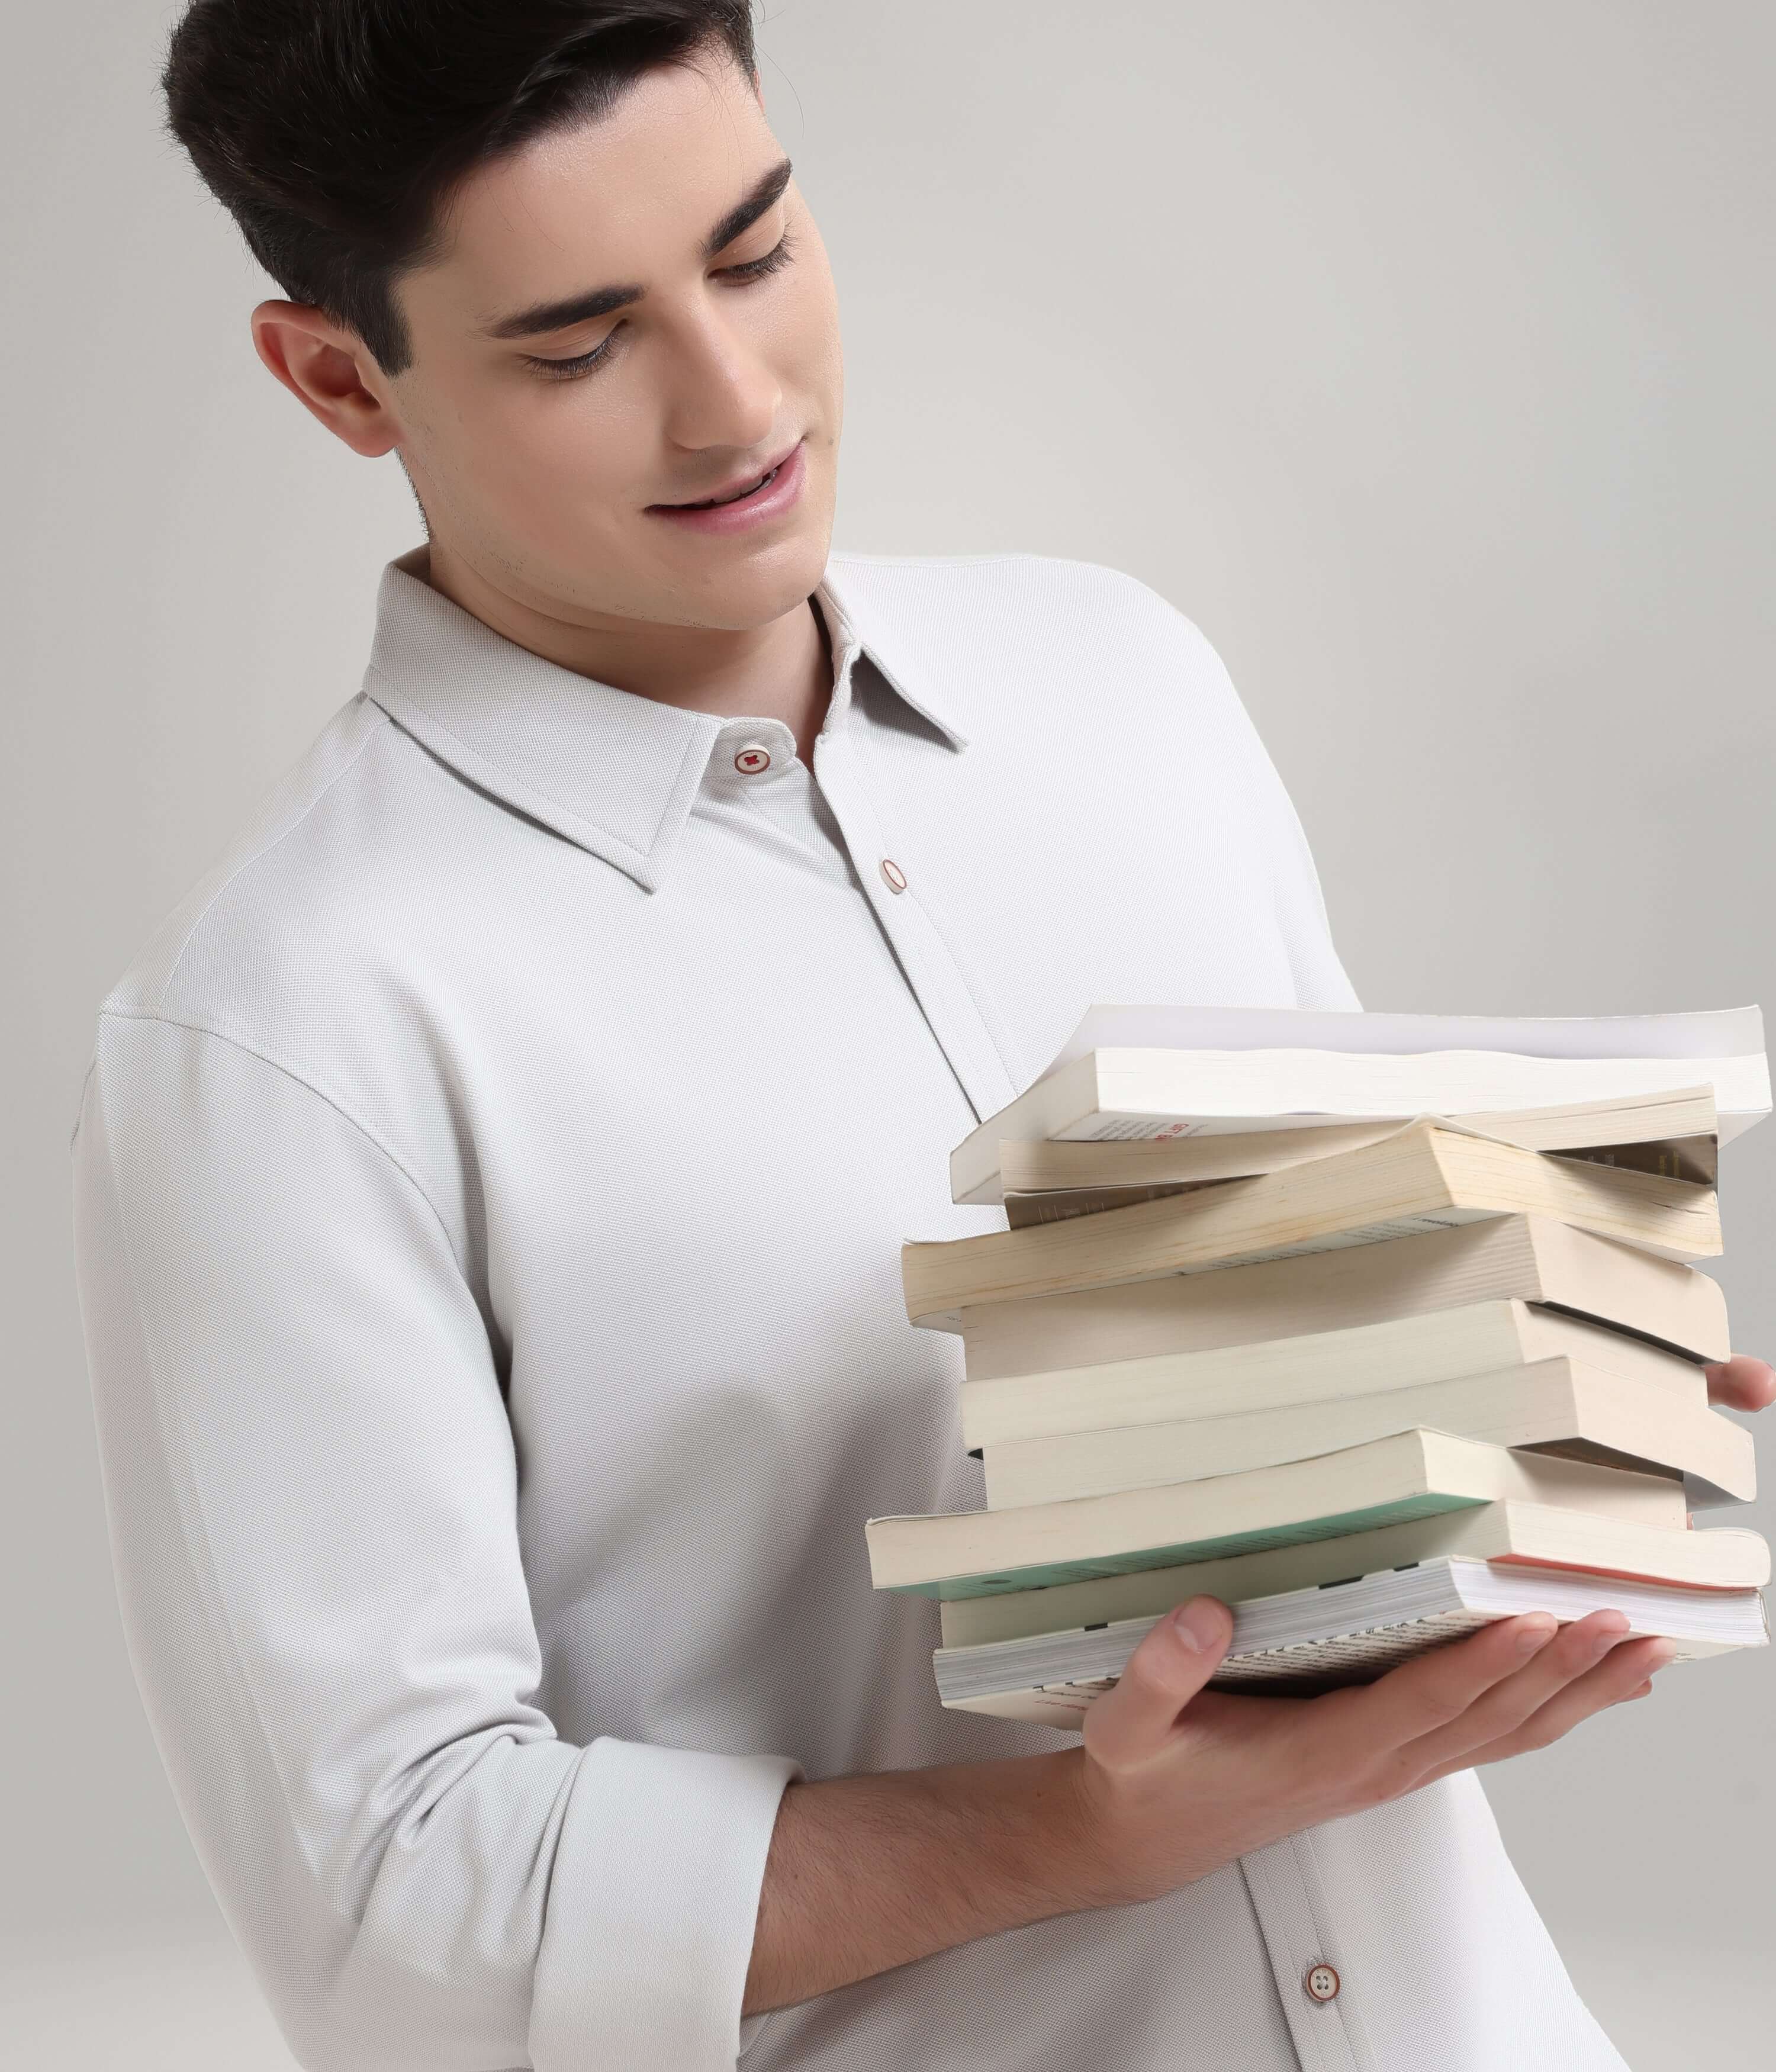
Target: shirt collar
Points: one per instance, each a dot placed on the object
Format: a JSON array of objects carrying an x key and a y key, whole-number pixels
[{"x": 614, "y": 771}]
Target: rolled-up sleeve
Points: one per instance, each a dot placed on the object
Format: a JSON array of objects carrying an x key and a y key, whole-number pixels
[{"x": 310, "y": 1487}]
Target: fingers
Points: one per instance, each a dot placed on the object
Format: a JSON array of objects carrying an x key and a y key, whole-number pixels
[
  {"x": 1742, "y": 1382},
  {"x": 1370, "y": 1723},
  {"x": 1567, "y": 1658},
  {"x": 1176, "y": 1657},
  {"x": 1625, "y": 1671}
]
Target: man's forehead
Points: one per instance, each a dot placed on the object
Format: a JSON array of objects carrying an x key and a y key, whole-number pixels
[
  {"x": 556, "y": 308},
  {"x": 680, "y": 145}
]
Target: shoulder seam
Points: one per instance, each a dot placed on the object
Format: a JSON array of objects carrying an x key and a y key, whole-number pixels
[
  {"x": 320, "y": 1093},
  {"x": 258, "y": 855}
]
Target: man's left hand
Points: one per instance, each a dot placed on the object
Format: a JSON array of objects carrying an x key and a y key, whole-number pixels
[{"x": 1742, "y": 1382}]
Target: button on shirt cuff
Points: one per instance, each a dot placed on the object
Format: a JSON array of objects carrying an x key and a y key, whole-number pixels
[{"x": 653, "y": 1901}]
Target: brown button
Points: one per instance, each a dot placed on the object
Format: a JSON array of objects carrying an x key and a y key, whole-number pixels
[
  {"x": 895, "y": 876},
  {"x": 1322, "y": 1982},
  {"x": 751, "y": 759}
]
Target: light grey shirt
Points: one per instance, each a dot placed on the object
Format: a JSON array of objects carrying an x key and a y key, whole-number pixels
[{"x": 488, "y": 1192}]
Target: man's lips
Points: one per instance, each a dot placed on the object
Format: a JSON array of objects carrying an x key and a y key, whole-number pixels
[
  {"x": 778, "y": 492},
  {"x": 730, "y": 488}
]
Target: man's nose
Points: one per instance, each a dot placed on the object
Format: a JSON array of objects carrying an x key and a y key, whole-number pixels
[{"x": 725, "y": 392}]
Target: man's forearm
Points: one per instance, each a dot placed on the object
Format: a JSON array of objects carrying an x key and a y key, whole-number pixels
[{"x": 869, "y": 1871}]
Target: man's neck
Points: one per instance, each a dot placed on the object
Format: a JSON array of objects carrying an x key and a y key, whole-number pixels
[{"x": 782, "y": 670}]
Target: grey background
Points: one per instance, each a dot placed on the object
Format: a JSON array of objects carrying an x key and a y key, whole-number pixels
[{"x": 1418, "y": 352}]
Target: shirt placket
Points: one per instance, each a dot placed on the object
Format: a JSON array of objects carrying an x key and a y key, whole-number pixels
[
  {"x": 760, "y": 755},
  {"x": 1286, "y": 1897},
  {"x": 905, "y": 907},
  {"x": 1313, "y": 1982}
]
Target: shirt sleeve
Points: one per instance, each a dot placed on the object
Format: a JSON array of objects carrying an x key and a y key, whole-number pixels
[
  {"x": 1300, "y": 902},
  {"x": 1321, "y": 980},
  {"x": 310, "y": 1487}
]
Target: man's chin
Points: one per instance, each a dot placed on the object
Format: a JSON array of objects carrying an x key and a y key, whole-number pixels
[{"x": 739, "y": 586}]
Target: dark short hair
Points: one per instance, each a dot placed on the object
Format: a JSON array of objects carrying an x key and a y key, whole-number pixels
[{"x": 335, "y": 132}]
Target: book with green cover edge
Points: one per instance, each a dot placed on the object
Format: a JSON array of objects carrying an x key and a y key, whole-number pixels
[{"x": 1039, "y": 1575}]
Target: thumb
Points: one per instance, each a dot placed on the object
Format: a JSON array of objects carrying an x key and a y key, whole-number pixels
[{"x": 1175, "y": 1658}]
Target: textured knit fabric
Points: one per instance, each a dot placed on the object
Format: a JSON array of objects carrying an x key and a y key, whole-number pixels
[{"x": 488, "y": 1191}]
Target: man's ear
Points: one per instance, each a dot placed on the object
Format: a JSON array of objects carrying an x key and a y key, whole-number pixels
[{"x": 318, "y": 363}]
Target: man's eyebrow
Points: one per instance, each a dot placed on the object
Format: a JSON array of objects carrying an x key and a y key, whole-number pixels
[{"x": 590, "y": 302}]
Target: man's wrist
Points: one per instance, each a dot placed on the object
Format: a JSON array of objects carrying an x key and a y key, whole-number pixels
[{"x": 1061, "y": 1859}]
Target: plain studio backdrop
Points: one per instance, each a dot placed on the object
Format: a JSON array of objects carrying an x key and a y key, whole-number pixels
[{"x": 1419, "y": 353}]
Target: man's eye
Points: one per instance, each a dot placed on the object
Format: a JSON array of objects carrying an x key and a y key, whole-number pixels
[
  {"x": 780, "y": 255},
  {"x": 563, "y": 370},
  {"x": 751, "y": 269}
]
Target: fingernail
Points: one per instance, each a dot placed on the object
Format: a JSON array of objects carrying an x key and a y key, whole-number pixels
[
  {"x": 1605, "y": 1637},
  {"x": 1661, "y": 1655},
  {"x": 1199, "y": 1625},
  {"x": 1532, "y": 1637}
]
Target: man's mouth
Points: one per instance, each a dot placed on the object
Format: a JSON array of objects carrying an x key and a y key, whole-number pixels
[
  {"x": 737, "y": 492},
  {"x": 745, "y": 489}
]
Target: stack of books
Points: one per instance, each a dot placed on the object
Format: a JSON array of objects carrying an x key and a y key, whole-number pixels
[{"x": 1375, "y": 1327}]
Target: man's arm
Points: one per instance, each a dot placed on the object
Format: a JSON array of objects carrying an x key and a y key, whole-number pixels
[
  {"x": 1168, "y": 1783},
  {"x": 310, "y": 1484},
  {"x": 310, "y": 1487},
  {"x": 869, "y": 1873}
]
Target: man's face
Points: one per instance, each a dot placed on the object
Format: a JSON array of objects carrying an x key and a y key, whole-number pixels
[{"x": 544, "y": 473}]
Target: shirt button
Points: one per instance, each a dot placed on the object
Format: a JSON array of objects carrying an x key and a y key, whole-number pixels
[
  {"x": 895, "y": 876},
  {"x": 752, "y": 759},
  {"x": 1322, "y": 1983}
]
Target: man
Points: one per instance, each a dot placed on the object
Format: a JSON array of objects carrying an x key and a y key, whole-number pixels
[{"x": 490, "y": 1183}]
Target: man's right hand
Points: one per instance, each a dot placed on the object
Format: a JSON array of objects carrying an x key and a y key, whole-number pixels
[
  {"x": 1168, "y": 1782},
  {"x": 1173, "y": 1781}
]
